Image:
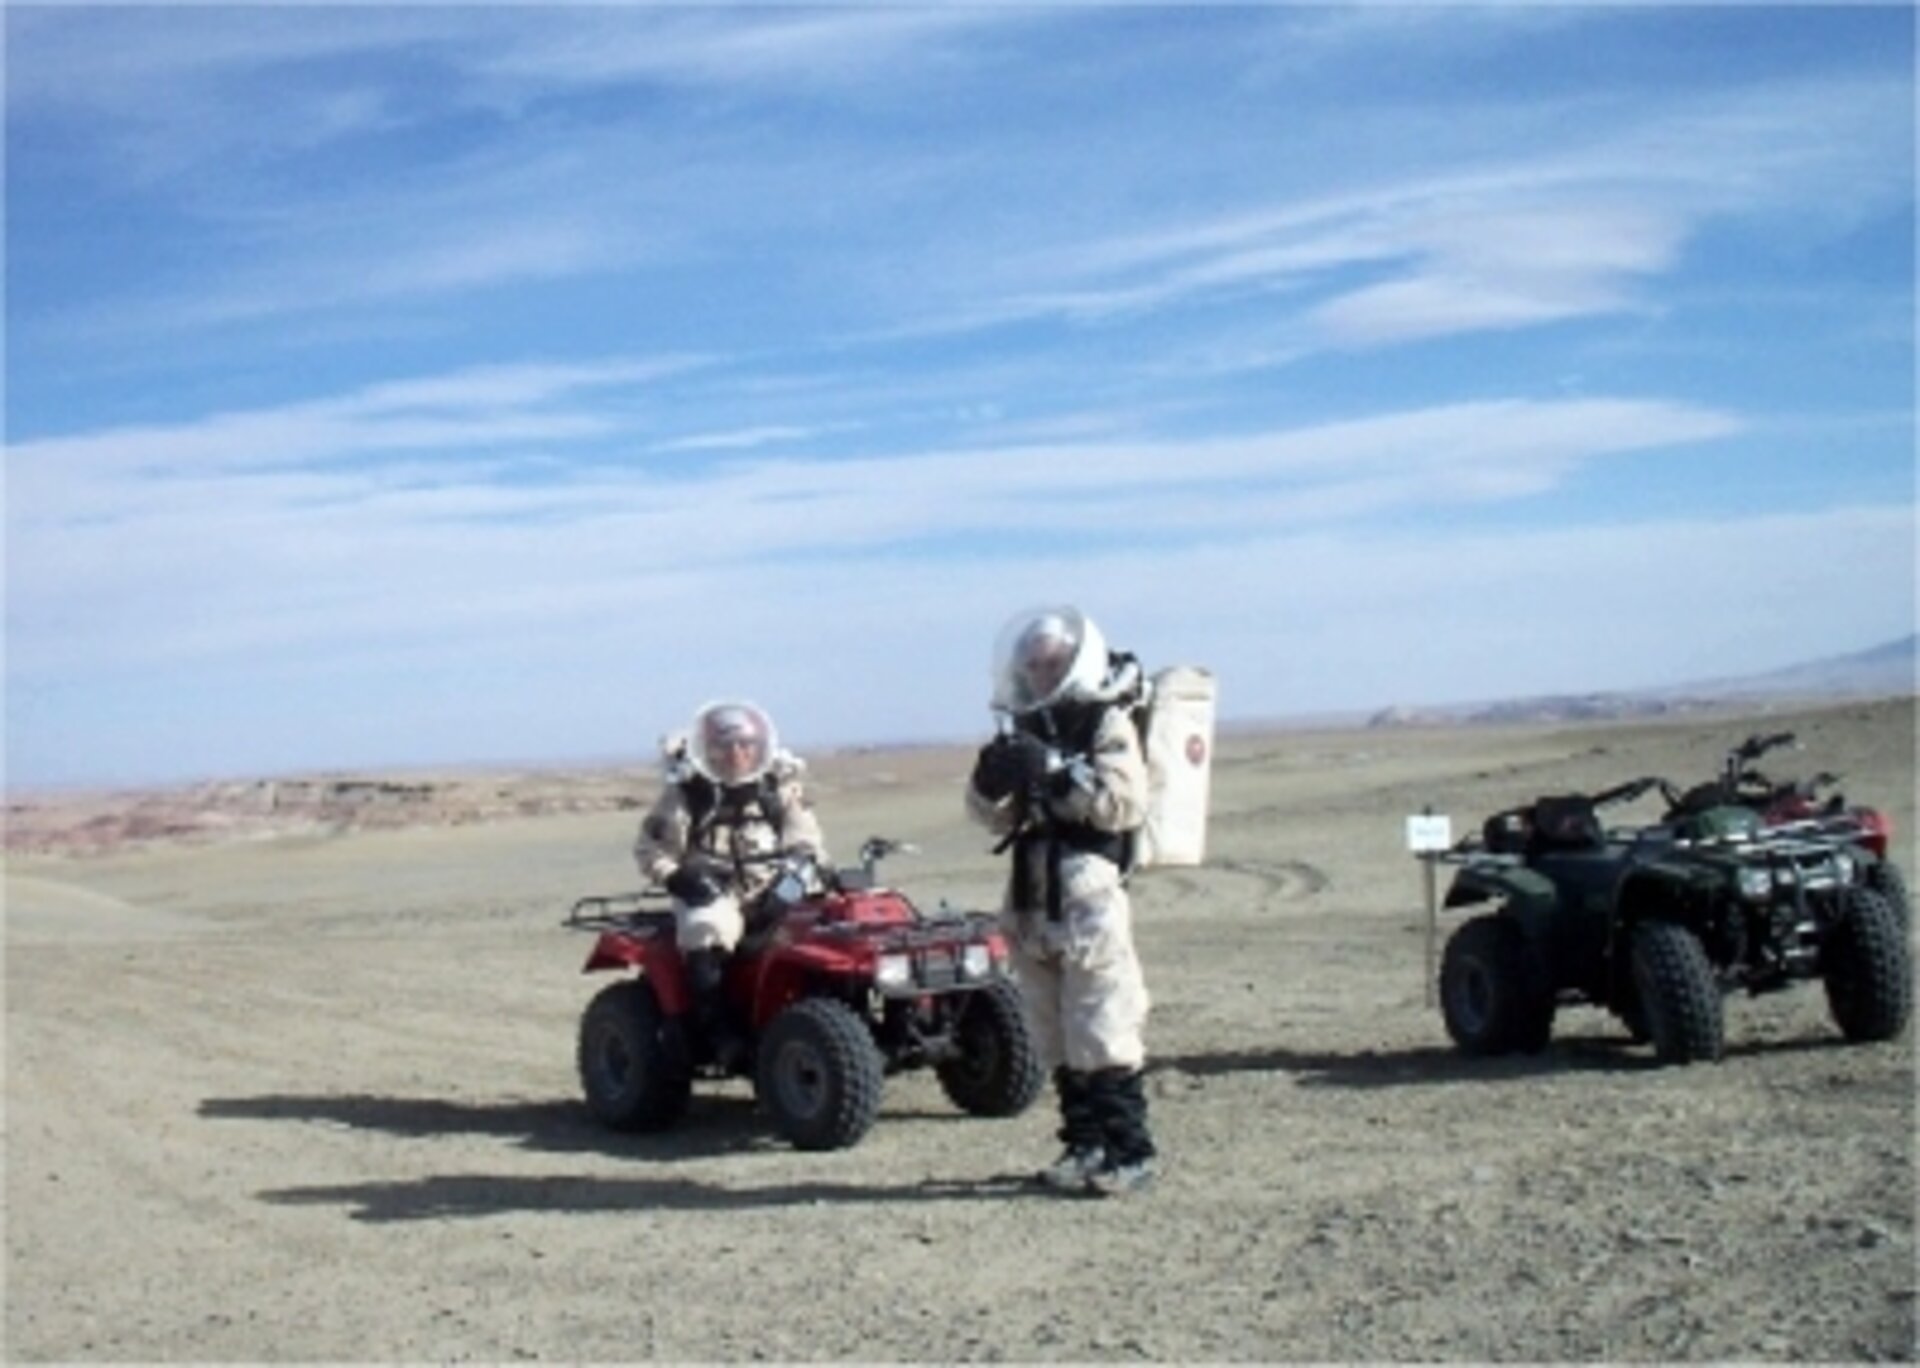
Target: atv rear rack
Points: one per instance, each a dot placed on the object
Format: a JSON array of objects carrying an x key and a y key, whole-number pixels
[{"x": 648, "y": 910}]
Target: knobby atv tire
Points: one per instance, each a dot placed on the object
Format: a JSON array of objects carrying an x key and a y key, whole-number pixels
[
  {"x": 1868, "y": 969},
  {"x": 1679, "y": 999},
  {"x": 632, "y": 1078},
  {"x": 1884, "y": 877},
  {"x": 819, "y": 1074},
  {"x": 1492, "y": 996},
  {"x": 998, "y": 1071}
]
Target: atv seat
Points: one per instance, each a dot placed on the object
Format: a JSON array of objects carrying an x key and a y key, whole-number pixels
[
  {"x": 1509, "y": 832},
  {"x": 1702, "y": 797},
  {"x": 762, "y": 922},
  {"x": 1565, "y": 823}
]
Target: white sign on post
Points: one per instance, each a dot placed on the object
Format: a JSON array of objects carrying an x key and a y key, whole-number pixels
[
  {"x": 1428, "y": 835},
  {"x": 1429, "y": 832}
]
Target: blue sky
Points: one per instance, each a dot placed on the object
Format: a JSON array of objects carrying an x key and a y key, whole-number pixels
[{"x": 471, "y": 384}]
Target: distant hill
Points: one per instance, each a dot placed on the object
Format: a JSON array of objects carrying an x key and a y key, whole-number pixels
[
  {"x": 1879, "y": 671},
  {"x": 1885, "y": 669}
]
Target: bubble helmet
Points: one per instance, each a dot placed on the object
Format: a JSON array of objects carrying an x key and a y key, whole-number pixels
[
  {"x": 732, "y": 742},
  {"x": 1045, "y": 656}
]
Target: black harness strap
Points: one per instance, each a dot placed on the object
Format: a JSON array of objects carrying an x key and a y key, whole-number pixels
[
  {"x": 1073, "y": 728},
  {"x": 1043, "y": 835},
  {"x": 708, "y": 803}
]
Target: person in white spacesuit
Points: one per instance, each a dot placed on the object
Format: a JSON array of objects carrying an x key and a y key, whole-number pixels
[
  {"x": 1065, "y": 785},
  {"x": 733, "y": 806}
]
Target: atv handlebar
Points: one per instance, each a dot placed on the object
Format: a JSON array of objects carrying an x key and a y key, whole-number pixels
[
  {"x": 876, "y": 848},
  {"x": 801, "y": 874},
  {"x": 1633, "y": 788},
  {"x": 872, "y": 850},
  {"x": 1824, "y": 779},
  {"x": 1758, "y": 745}
]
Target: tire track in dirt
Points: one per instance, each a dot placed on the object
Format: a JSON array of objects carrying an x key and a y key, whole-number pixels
[
  {"x": 53, "y": 910},
  {"x": 1223, "y": 882}
]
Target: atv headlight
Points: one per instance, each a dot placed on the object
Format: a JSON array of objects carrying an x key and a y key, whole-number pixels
[
  {"x": 893, "y": 971},
  {"x": 1843, "y": 867},
  {"x": 976, "y": 961},
  {"x": 1755, "y": 884}
]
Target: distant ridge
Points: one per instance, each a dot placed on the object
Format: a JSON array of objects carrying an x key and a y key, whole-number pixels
[
  {"x": 1879, "y": 671},
  {"x": 1884, "y": 669}
]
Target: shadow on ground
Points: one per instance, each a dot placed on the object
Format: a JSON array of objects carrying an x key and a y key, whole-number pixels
[
  {"x": 713, "y": 1125},
  {"x": 1431, "y": 1064},
  {"x": 479, "y": 1195}
]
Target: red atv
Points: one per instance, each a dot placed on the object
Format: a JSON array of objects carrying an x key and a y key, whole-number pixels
[
  {"x": 838, "y": 982},
  {"x": 1800, "y": 801}
]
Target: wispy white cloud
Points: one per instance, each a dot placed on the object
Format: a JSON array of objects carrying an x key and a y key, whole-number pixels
[
  {"x": 166, "y": 92},
  {"x": 180, "y": 88},
  {"x": 1456, "y": 269},
  {"x": 483, "y": 407},
  {"x": 1493, "y": 271},
  {"x": 1291, "y": 621},
  {"x": 224, "y": 112},
  {"x": 739, "y": 439},
  {"x": 416, "y": 506},
  {"x": 729, "y": 47},
  {"x": 1493, "y": 242},
  {"x": 1496, "y": 230},
  {"x": 455, "y": 258}
]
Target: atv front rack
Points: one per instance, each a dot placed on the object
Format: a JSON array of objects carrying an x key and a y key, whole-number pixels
[{"x": 1838, "y": 829}]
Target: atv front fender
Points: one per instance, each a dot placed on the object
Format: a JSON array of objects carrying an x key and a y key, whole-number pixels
[
  {"x": 1519, "y": 887},
  {"x": 829, "y": 959},
  {"x": 793, "y": 971},
  {"x": 1530, "y": 902},
  {"x": 1669, "y": 889}
]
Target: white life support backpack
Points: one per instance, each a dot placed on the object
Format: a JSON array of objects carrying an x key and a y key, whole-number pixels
[{"x": 1175, "y": 719}]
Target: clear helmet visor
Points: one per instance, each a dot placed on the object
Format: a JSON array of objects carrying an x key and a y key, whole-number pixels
[
  {"x": 731, "y": 742},
  {"x": 1045, "y": 656}
]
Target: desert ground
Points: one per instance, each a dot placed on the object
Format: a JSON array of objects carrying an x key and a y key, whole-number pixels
[{"x": 298, "y": 1084}]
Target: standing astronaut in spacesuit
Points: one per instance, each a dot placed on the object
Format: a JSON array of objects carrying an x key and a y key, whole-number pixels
[{"x": 1065, "y": 785}]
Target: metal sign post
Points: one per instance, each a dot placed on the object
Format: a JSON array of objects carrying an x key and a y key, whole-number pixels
[{"x": 1427, "y": 836}]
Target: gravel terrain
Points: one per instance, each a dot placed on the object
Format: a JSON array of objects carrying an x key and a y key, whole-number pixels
[{"x": 305, "y": 1091}]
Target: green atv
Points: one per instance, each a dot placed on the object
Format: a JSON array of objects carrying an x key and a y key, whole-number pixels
[{"x": 1657, "y": 923}]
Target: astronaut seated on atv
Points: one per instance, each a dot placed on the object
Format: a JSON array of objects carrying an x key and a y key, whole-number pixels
[{"x": 732, "y": 813}]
